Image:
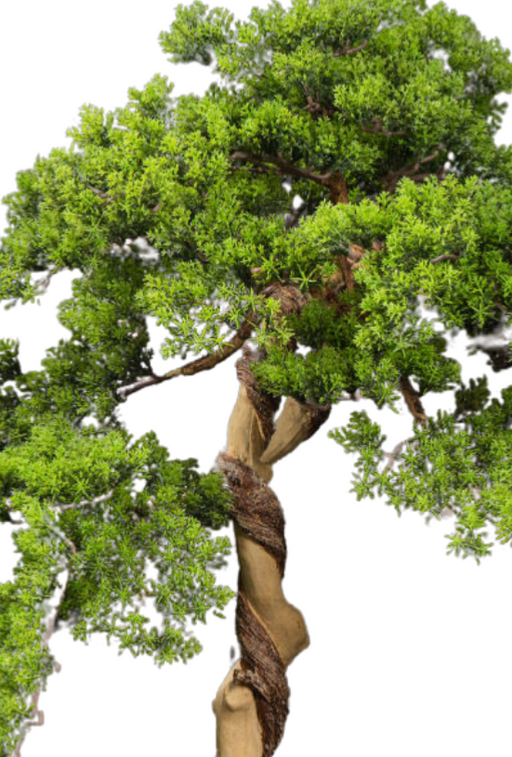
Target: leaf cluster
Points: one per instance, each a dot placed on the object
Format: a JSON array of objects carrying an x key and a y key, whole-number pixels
[
  {"x": 120, "y": 524},
  {"x": 459, "y": 465}
]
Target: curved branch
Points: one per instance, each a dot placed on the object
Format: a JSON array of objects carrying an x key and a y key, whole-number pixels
[{"x": 205, "y": 363}]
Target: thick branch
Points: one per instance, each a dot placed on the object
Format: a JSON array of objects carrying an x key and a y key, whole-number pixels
[
  {"x": 391, "y": 179},
  {"x": 412, "y": 400},
  {"x": 294, "y": 217},
  {"x": 338, "y": 191}
]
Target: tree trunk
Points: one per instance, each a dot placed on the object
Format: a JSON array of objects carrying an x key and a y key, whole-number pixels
[{"x": 251, "y": 705}]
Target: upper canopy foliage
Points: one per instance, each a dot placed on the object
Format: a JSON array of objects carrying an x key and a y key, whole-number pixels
[{"x": 343, "y": 165}]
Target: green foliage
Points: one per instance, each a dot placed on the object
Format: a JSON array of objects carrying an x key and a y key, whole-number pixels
[
  {"x": 181, "y": 209},
  {"x": 9, "y": 362},
  {"x": 25, "y": 660},
  {"x": 462, "y": 465}
]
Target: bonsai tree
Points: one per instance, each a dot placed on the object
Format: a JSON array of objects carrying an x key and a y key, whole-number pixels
[{"x": 344, "y": 167}]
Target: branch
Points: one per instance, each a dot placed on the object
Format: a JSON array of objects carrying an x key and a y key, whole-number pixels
[
  {"x": 396, "y": 451},
  {"x": 350, "y": 50},
  {"x": 43, "y": 284},
  {"x": 412, "y": 400},
  {"x": 391, "y": 179},
  {"x": 338, "y": 192},
  {"x": 283, "y": 164},
  {"x": 444, "y": 257},
  {"x": 108, "y": 199},
  {"x": 499, "y": 356},
  {"x": 205, "y": 363},
  {"x": 313, "y": 106},
  {"x": 294, "y": 217},
  {"x": 84, "y": 502},
  {"x": 378, "y": 128}
]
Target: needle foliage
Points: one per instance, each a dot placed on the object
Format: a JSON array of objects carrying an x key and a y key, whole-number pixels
[{"x": 346, "y": 155}]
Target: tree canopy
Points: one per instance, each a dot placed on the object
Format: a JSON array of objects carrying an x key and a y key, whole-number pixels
[{"x": 343, "y": 166}]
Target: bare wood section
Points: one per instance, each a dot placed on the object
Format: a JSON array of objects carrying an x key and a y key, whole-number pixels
[{"x": 251, "y": 705}]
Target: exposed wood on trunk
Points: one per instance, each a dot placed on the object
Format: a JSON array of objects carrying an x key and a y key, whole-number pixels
[{"x": 251, "y": 705}]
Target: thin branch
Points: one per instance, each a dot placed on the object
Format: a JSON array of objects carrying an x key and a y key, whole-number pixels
[
  {"x": 391, "y": 179},
  {"x": 205, "y": 363},
  {"x": 350, "y": 50},
  {"x": 84, "y": 502},
  {"x": 98, "y": 192},
  {"x": 294, "y": 217},
  {"x": 444, "y": 257},
  {"x": 434, "y": 155}
]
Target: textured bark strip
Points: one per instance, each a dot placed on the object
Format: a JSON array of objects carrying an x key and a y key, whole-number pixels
[
  {"x": 251, "y": 705},
  {"x": 263, "y": 671},
  {"x": 264, "y": 404},
  {"x": 257, "y": 509}
]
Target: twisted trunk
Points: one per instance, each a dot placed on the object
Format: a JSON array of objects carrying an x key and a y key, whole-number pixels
[{"x": 251, "y": 705}]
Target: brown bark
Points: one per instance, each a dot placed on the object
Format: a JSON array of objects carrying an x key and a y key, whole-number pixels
[{"x": 251, "y": 705}]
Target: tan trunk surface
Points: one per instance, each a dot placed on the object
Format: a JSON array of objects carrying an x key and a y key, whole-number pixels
[{"x": 252, "y": 703}]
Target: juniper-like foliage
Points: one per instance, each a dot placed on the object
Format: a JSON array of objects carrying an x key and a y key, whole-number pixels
[{"x": 347, "y": 153}]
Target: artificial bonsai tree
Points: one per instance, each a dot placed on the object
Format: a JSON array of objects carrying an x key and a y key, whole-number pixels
[{"x": 344, "y": 168}]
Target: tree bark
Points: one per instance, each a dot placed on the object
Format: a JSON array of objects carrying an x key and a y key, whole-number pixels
[{"x": 251, "y": 705}]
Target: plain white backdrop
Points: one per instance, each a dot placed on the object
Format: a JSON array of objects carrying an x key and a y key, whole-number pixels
[{"x": 410, "y": 647}]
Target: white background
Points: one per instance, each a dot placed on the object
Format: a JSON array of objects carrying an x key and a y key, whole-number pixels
[{"x": 410, "y": 647}]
